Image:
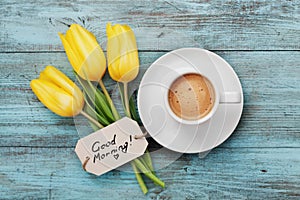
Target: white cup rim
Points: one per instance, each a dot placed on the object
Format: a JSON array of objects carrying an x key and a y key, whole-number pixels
[{"x": 206, "y": 117}]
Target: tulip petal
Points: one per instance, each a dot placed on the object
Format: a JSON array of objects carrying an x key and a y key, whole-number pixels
[
  {"x": 54, "y": 98},
  {"x": 58, "y": 78},
  {"x": 113, "y": 53},
  {"x": 122, "y": 54},
  {"x": 130, "y": 66},
  {"x": 94, "y": 65},
  {"x": 57, "y": 92},
  {"x": 82, "y": 44},
  {"x": 62, "y": 81},
  {"x": 70, "y": 39},
  {"x": 113, "y": 70},
  {"x": 73, "y": 56},
  {"x": 83, "y": 41}
]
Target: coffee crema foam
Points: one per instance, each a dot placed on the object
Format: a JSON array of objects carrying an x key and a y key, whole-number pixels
[{"x": 191, "y": 96}]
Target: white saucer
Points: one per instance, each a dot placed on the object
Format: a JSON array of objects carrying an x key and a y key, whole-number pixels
[{"x": 163, "y": 127}]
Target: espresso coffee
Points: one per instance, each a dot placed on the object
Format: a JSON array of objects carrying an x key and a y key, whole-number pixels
[{"x": 191, "y": 96}]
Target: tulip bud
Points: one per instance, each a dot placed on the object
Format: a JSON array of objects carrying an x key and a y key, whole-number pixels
[
  {"x": 84, "y": 53},
  {"x": 122, "y": 53},
  {"x": 58, "y": 93}
]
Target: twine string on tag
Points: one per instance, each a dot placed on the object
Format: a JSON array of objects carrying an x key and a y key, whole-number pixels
[
  {"x": 85, "y": 163},
  {"x": 87, "y": 158},
  {"x": 140, "y": 136}
]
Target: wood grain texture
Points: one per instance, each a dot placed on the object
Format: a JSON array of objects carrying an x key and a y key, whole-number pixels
[
  {"x": 270, "y": 82},
  {"x": 259, "y": 38},
  {"x": 159, "y": 25},
  {"x": 243, "y": 173}
]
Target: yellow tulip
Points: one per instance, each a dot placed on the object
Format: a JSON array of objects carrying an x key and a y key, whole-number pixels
[
  {"x": 84, "y": 53},
  {"x": 58, "y": 93},
  {"x": 122, "y": 53}
]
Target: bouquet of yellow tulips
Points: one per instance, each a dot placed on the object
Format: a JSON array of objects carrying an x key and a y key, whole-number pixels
[{"x": 62, "y": 96}]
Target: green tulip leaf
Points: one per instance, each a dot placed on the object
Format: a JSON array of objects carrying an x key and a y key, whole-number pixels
[
  {"x": 101, "y": 103},
  {"x": 101, "y": 118}
]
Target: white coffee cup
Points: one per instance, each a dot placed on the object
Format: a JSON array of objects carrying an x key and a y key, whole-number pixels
[{"x": 219, "y": 97}]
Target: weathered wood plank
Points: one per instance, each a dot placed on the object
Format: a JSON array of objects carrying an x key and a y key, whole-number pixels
[
  {"x": 270, "y": 81},
  {"x": 159, "y": 25},
  {"x": 259, "y": 161},
  {"x": 243, "y": 173}
]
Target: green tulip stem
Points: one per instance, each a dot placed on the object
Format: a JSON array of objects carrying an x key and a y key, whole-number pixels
[
  {"x": 91, "y": 119},
  {"x": 126, "y": 99},
  {"x": 139, "y": 178},
  {"x": 148, "y": 173},
  {"x": 148, "y": 160},
  {"x": 111, "y": 103}
]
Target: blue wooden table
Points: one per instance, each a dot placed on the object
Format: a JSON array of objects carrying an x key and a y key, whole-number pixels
[{"x": 259, "y": 38}]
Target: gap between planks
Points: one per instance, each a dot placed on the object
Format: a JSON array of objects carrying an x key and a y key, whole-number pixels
[
  {"x": 162, "y": 50},
  {"x": 219, "y": 147}
]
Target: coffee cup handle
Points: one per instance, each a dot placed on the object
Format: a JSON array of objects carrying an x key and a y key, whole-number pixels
[{"x": 230, "y": 97}]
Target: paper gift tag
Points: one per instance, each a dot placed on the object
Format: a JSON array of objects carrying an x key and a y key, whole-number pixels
[{"x": 111, "y": 147}]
